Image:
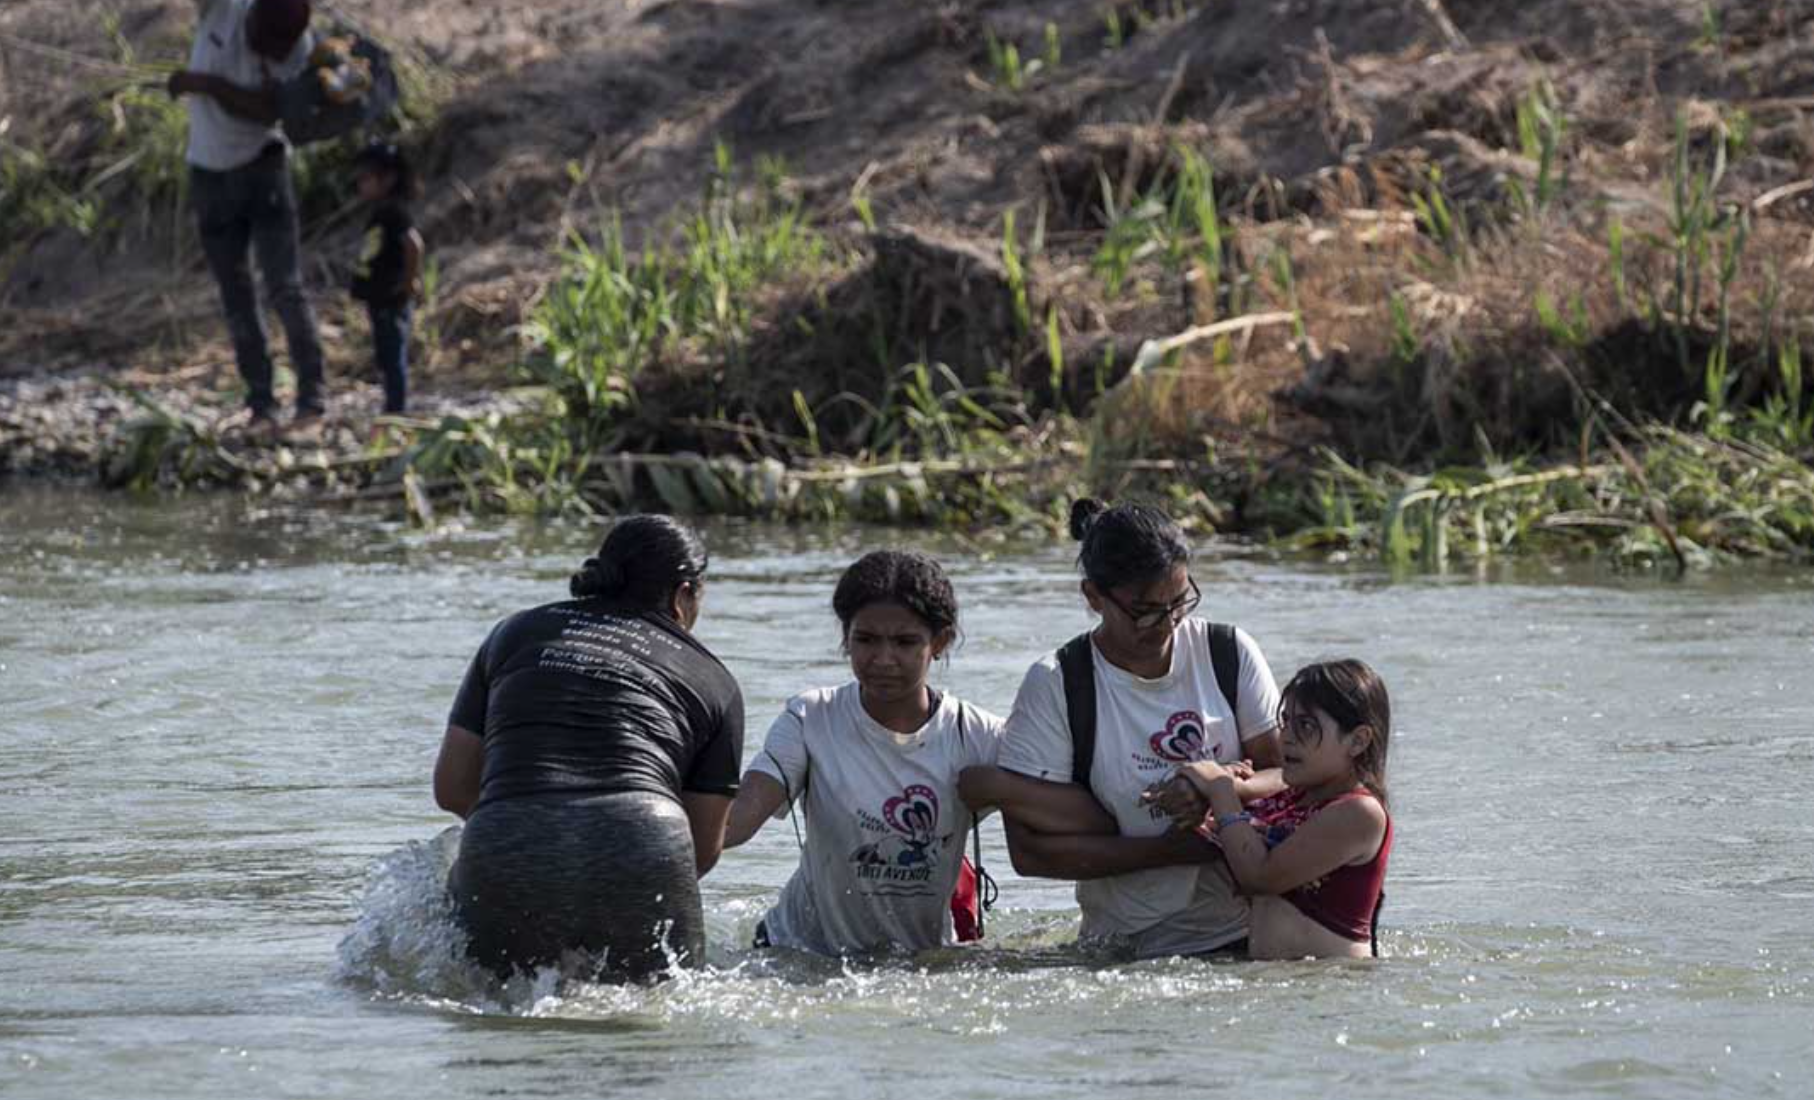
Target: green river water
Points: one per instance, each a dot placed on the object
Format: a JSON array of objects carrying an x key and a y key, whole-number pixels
[{"x": 219, "y": 858}]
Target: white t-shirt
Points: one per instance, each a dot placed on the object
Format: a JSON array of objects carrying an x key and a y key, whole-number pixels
[
  {"x": 1144, "y": 730},
  {"x": 219, "y": 140},
  {"x": 885, "y": 829}
]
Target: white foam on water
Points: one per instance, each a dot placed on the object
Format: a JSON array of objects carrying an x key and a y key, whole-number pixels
[{"x": 405, "y": 942}]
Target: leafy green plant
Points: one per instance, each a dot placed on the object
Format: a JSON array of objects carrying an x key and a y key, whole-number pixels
[
  {"x": 1615, "y": 259},
  {"x": 1005, "y": 63},
  {"x": 1129, "y": 239},
  {"x": 1055, "y": 357},
  {"x": 33, "y": 199},
  {"x": 1694, "y": 222},
  {"x": 1406, "y": 346},
  {"x": 1177, "y": 219},
  {"x": 1441, "y": 222},
  {"x": 859, "y": 202},
  {"x": 1570, "y": 330},
  {"x": 1786, "y": 418},
  {"x": 1542, "y": 127},
  {"x": 610, "y": 313},
  {"x": 1017, "y": 276},
  {"x": 1113, "y": 35}
]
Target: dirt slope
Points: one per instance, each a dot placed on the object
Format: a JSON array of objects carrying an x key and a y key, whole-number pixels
[{"x": 559, "y": 111}]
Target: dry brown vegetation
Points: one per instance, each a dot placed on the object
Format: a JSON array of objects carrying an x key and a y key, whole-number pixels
[{"x": 1331, "y": 126}]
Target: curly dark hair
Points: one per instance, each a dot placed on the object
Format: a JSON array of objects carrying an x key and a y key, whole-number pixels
[
  {"x": 912, "y": 580},
  {"x": 1125, "y": 543},
  {"x": 644, "y": 558}
]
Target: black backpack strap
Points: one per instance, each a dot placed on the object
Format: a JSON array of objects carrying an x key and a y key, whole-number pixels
[
  {"x": 1225, "y": 658},
  {"x": 1377, "y": 906},
  {"x": 1078, "y": 666}
]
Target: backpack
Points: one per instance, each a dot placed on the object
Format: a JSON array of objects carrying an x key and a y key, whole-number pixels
[{"x": 1077, "y": 666}]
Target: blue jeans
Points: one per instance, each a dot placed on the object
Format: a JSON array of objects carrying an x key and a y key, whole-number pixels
[
  {"x": 390, "y": 345},
  {"x": 252, "y": 210}
]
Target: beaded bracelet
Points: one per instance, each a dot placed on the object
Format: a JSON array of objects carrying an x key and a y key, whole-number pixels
[{"x": 1233, "y": 819}]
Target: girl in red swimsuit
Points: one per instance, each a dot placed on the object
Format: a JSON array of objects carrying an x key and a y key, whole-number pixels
[{"x": 1309, "y": 841}]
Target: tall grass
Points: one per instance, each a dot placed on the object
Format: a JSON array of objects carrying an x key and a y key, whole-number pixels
[
  {"x": 1177, "y": 220},
  {"x": 613, "y": 312},
  {"x": 1703, "y": 499},
  {"x": 1542, "y": 128}
]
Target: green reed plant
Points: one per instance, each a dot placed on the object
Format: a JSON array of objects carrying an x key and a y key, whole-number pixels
[
  {"x": 34, "y": 198},
  {"x": 1004, "y": 63},
  {"x": 1128, "y": 240},
  {"x": 926, "y": 410},
  {"x": 1786, "y": 418},
  {"x": 1442, "y": 222},
  {"x": 1615, "y": 260},
  {"x": 1055, "y": 358},
  {"x": 1573, "y": 329},
  {"x": 611, "y": 313},
  {"x": 1176, "y": 219},
  {"x": 1114, "y": 36},
  {"x": 1016, "y": 273},
  {"x": 1542, "y": 128},
  {"x": 1693, "y": 223}
]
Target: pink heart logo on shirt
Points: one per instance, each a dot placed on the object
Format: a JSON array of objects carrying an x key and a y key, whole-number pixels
[
  {"x": 913, "y": 812},
  {"x": 1182, "y": 739}
]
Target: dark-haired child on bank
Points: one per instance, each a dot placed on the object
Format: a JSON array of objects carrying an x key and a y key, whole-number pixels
[{"x": 388, "y": 276}]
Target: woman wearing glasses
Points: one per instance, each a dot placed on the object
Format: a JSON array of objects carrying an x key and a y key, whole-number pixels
[
  {"x": 593, "y": 750},
  {"x": 1154, "y": 689}
]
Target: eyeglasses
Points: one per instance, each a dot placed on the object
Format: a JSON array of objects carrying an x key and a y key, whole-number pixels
[{"x": 1177, "y": 611}]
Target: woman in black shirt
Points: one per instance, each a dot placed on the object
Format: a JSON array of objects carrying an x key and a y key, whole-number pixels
[{"x": 594, "y": 750}]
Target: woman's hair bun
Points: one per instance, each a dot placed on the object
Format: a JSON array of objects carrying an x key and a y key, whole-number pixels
[
  {"x": 597, "y": 577},
  {"x": 1083, "y": 515}
]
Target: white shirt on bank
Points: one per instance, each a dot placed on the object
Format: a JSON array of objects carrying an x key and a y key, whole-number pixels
[
  {"x": 218, "y": 139},
  {"x": 1145, "y": 729},
  {"x": 885, "y": 829}
]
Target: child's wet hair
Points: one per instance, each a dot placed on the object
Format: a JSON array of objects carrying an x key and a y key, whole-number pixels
[
  {"x": 1353, "y": 695},
  {"x": 1125, "y": 543},
  {"x": 911, "y": 580}
]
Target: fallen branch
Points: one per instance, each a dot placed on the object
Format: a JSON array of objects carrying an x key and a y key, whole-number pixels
[
  {"x": 1153, "y": 351},
  {"x": 1775, "y": 195}
]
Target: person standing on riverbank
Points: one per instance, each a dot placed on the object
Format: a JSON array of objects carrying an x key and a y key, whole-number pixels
[
  {"x": 239, "y": 184},
  {"x": 1115, "y": 711},
  {"x": 388, "y": 276},
  {"x": 593, "y": 752}
]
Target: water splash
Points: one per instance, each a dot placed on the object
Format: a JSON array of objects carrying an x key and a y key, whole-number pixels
[{"x": 406, "y": 943}]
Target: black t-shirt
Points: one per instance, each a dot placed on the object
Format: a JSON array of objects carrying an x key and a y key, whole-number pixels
[
  {"x": 579, "y": 696},
  {"x": 378, "y": 278}
]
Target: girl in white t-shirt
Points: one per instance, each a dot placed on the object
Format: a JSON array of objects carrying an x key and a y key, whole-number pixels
[
  {"x": 1159, "y": 704},
  {"x": 875, "y": 765}
]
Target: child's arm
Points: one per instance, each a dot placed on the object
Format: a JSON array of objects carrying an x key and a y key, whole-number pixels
[
  {"x": 758, "y": 798},
  {"x": 1347, "y": 832},
  {"x": 1179, "y": 798},
  {"x": 412, "y": 265}
]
